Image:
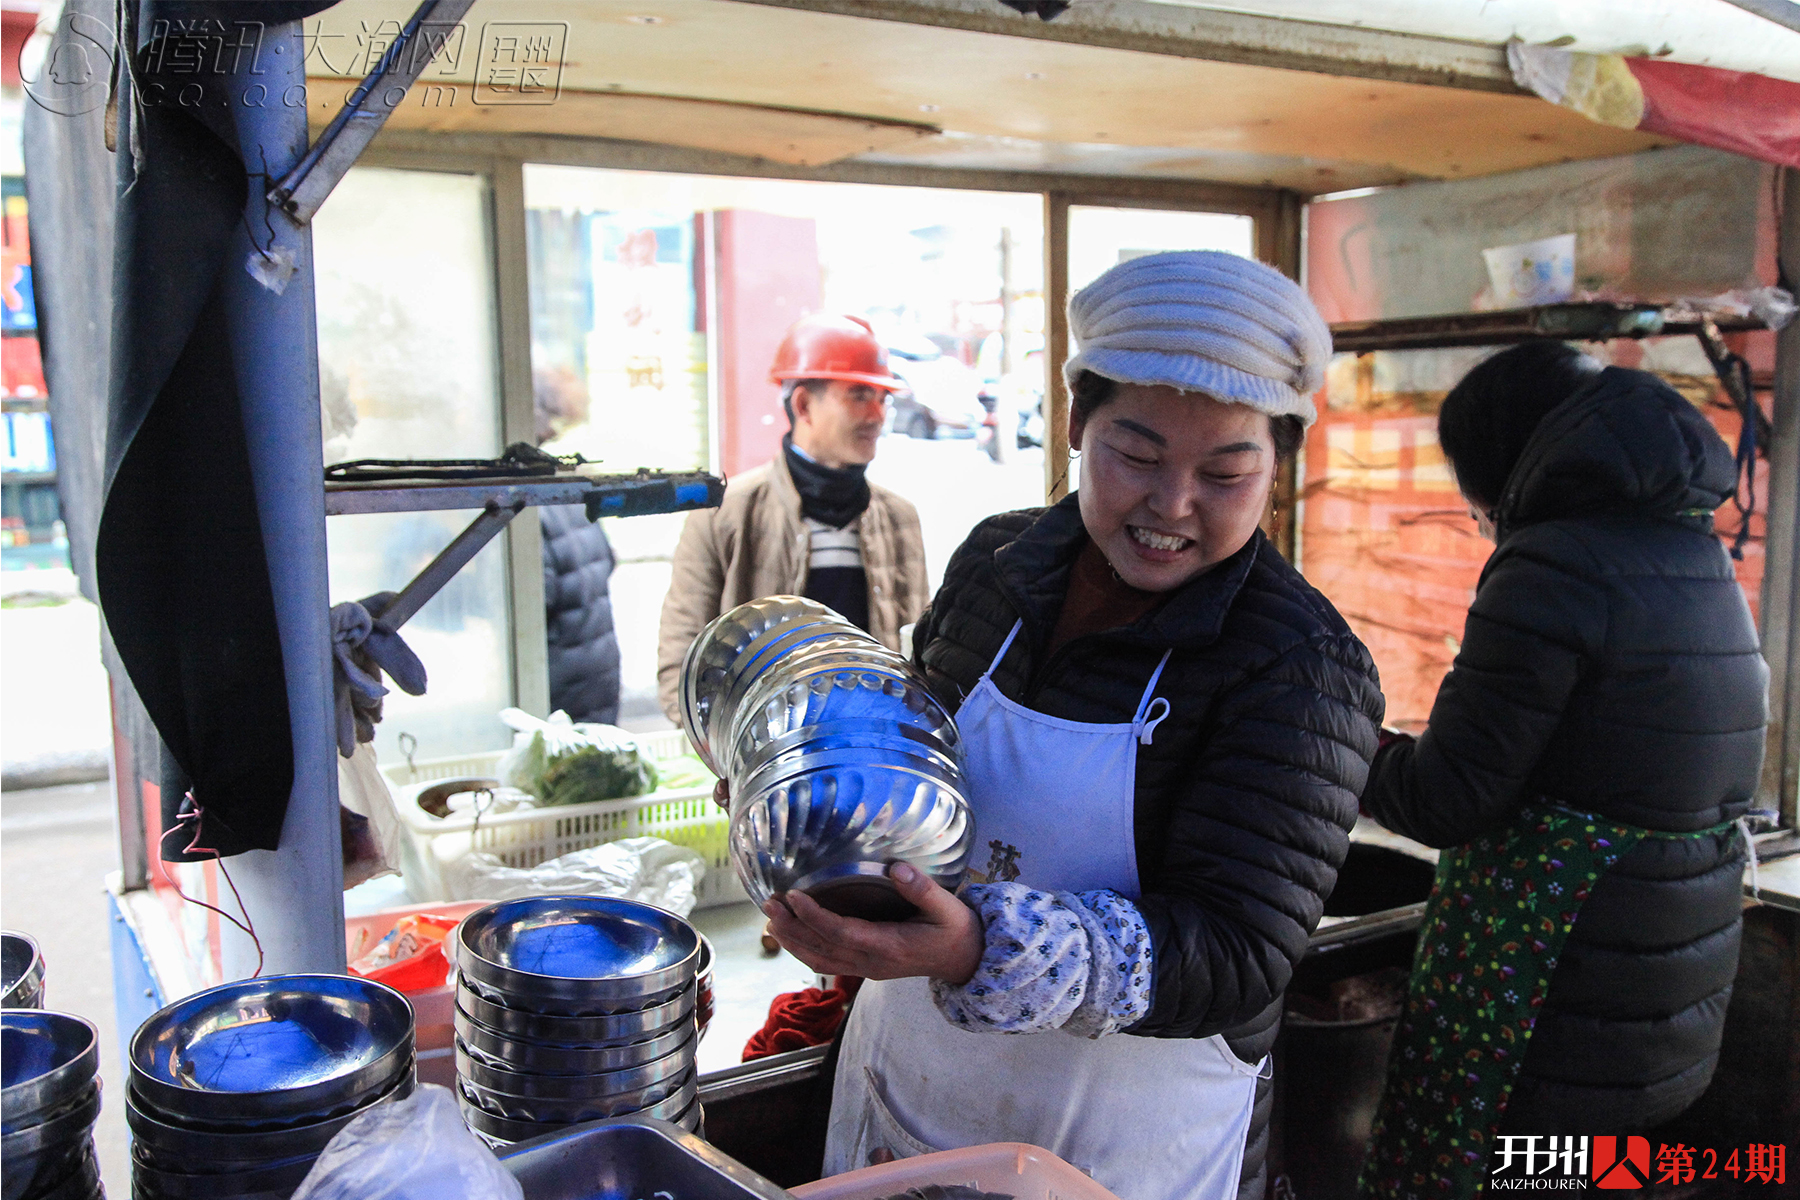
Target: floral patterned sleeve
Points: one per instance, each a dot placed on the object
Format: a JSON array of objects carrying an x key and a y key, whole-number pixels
[{"x": 1075, "y": 961}]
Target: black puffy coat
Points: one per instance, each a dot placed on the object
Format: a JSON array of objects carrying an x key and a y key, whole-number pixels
[
  {"x": 1246, "y": 795},
  {"x": 1609, "y": 665},
  {"x": 578, "y": 616}
]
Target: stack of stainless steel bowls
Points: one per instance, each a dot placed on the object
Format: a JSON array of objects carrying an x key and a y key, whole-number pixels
[
  {"x": 841, "y": 761},
  {"x": 48, "y": 1106},
  {"x": 574, "y": 1008},
  {"x": 21, "y": 972},
  {"x": 235, "y": 1090}
]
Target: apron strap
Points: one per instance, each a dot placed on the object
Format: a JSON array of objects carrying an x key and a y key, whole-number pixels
[
  {"x": 1145, "y": 724},
  {"x": 1004, "y": 647}
]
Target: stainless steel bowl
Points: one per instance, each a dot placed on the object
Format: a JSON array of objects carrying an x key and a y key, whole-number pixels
[
  {"x": 47, "y": 1061},
  {"x": 563, "y": 1059},
  {"x": 738, "y": 642},
  {"x": 597, "y": 954},
  {"x": 515, "y": 1119},
  {"x": 602, "y": 1030},
  {"x": 37, "y": 1155},
  {"x": 693, "y": 1121},
  {"x": 21, "y": 972},
  {"x": 181, "y": 1185},
  {"x": 173, "y": 1147},
  {"x": 703, "y": 988},
  {"x": 841, "y": 760},
  {"x": 830, "y": 822},
  {"x": 281, "y": 1048},
  {"x": 602, "y": 1086},
  {"x": 76, "y": 1177}
]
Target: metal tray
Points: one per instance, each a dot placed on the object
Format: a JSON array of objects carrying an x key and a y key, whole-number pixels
[{"x": 631, "y": 1156}]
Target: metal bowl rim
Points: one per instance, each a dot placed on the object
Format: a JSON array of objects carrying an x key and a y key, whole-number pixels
[
  {"x": 277, "y": 1103},
  {"x": 520, "y": 1023},
  {"x": 512, "y": 981},
  {"x": 61, "y": 1083},
  {"x": 532, "y": 1085}
]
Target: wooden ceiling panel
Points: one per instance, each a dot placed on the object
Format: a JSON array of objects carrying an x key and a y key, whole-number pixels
[{"x": 999, "y": 99}]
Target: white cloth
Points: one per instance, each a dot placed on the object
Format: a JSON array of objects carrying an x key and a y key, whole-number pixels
[
  {"x": 1148, "y": 1118},
  {"x": 1203, "y": 321}
]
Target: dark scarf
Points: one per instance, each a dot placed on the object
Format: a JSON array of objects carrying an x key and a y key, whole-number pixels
[{"x": 834, "y": 496}]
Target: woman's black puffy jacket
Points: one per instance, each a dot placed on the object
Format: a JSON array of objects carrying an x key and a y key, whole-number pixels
[
  {"x": 1609, "y": 665},
  {"x": 1246, "y": 795}
]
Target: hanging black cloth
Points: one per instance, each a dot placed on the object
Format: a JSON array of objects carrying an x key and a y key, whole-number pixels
[
  {"x": 835, "y": 496},
  {"x": 179, "y": 557}
]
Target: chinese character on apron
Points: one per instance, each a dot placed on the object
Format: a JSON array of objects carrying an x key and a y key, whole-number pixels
[{"x": 1147, "y": 1118}]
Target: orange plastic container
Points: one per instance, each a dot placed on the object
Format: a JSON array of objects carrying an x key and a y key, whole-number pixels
[
  {"x": 433, "y": 1008},
  {"x": 1011, "y": 1168}
]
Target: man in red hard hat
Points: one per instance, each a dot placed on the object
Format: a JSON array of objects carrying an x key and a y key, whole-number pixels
[{"x": 809, "y": 523}]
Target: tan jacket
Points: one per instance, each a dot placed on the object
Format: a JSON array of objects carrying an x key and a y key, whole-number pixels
[{"x": 756, "y": 544}]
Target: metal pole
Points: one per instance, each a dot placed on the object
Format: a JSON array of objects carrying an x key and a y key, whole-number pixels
[
  {"x": 1781, "y": 564},
  {"x": 1056, "y": 346},
  {"x": 293, "y": 896}
]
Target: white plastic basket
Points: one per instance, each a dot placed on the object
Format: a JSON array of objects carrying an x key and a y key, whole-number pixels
[{"x": 685, "y": 816}]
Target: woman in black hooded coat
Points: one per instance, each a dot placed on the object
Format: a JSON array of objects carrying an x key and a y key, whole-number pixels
[{"x": 1610, "y": 666}]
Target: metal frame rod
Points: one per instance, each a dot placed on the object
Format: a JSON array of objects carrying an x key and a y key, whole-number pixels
[
  {"x": 302, "y": 190},
  {"x": 442, "y": 569}
]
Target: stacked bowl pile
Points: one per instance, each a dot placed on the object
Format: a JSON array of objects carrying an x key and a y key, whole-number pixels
[
  {"x": 575, "y": 1008},
  {"x": 21, "y": 972},
  {"x": 841, "y": 761},
  {"x": 48, "y": 1105},
  {"x": 234, "y": 1091}
]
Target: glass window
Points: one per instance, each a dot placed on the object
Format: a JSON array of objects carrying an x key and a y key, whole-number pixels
[
  {"x": 1101, "y": 238},
  {"x": 657, "y": 302},
  {"x": 408, "y": 368}
]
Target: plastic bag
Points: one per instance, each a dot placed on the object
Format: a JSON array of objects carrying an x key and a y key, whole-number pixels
[
  {"x": 412, "y": 1149},
  {"x": 411, "y": 957},
  {"x": 371, "y": 824},
  {"x": 644, "y": 868},
  {"x": 562, "y": 762}
]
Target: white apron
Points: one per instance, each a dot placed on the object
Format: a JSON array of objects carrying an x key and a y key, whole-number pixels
[{"x": 1148, "y": 1118}]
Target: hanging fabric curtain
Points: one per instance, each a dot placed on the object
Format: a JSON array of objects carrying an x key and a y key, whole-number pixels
[{"x": 1747, "y": 114}]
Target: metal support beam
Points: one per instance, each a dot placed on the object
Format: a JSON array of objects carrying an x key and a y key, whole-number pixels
[
  {"x": 302, "y": 190},
  {"x": 292, "y": 896},
  {"x": 442, "y": 569},
  {"x": 1056, "y": 341},
  {"x": 1182, "y": 32},
  {"x": 1785, "y": 13},
  {"x": 1781, "y": 562}
]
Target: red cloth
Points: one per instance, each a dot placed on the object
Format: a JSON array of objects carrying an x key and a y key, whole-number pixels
[
  {"x": 1748, "y": 114},
  {"x": 801, "y": 1019}
]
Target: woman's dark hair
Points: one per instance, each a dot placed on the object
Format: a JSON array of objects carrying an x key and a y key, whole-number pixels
[
  {"x": 1091, "y": 391},
  {"x": 1487, "y": 418}
]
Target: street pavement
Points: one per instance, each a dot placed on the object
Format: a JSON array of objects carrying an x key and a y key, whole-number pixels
[{"x": 56, "y": 848}]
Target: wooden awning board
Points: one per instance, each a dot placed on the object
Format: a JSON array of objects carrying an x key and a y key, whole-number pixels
[{"x": 806, "y": 88}]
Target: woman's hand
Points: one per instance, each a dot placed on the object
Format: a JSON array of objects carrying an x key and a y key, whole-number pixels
[{"x": 943, "y": 940}]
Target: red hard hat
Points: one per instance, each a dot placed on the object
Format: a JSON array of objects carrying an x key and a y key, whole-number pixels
[{"x": 833, "y": 347}]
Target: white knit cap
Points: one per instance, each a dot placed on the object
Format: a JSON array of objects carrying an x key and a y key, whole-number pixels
[{"x": 1203, "y": 321}]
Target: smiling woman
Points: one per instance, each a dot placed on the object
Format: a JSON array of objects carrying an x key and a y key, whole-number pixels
[{"x": 1165, "y": 730}]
